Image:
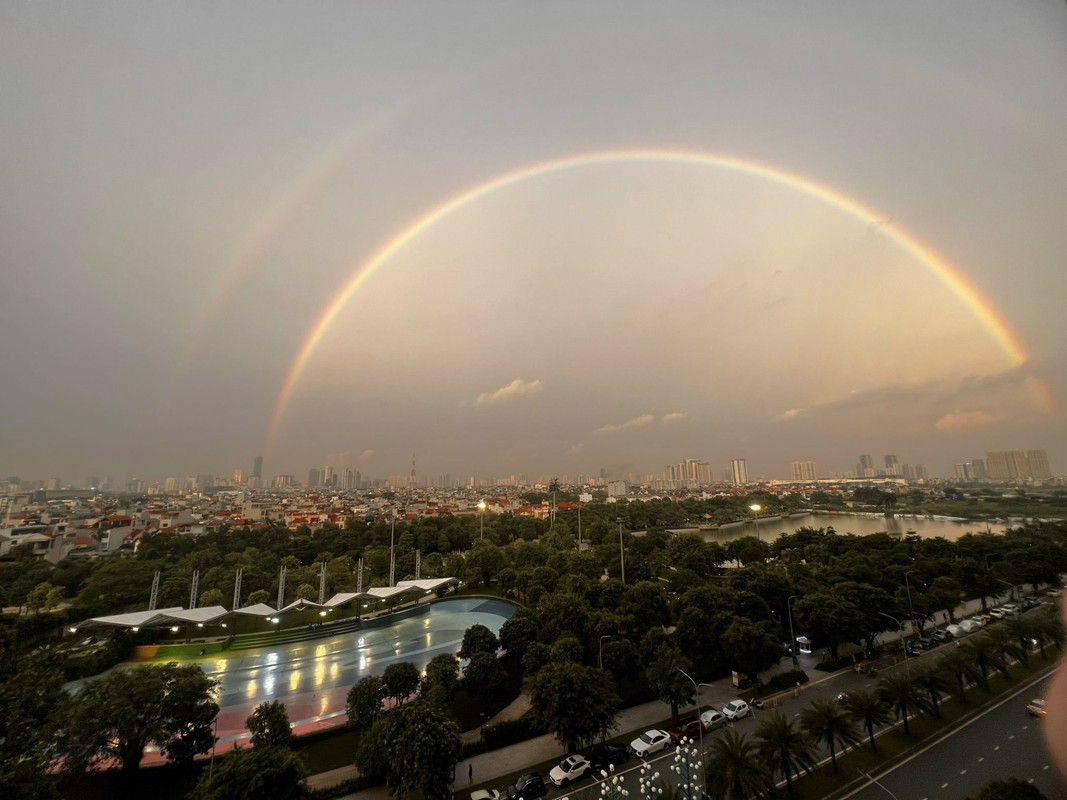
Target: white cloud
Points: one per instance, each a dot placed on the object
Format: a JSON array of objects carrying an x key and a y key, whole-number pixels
[
  {"x": 573, "y": 451},
  {"x": 366, "y": 455},
  {"x": 786, "y": 415},
  {"x": 674, "y": 416},
  {"x": 636, "y": 422},
  {"x": 517, "y": 388}
]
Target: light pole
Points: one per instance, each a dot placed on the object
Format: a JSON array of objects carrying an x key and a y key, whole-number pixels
[
  {"x": 792, "y": 638},
  {"x": 622, "y": 553},
  {"x": 700, "y": 722},
  {"x": 911, "y": 611},
  {"x": 903, "y": 646},
  {"x": 1011, "y": 588},
  {"x": 600, "y": 652},
  {"x": 481, "y": 518},
  {"x": 579, "y": 529},
  {"x": 755, "y": 508}
]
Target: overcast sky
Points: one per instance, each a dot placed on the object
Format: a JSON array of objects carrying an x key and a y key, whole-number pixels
[{"x": 185, "y": 187}]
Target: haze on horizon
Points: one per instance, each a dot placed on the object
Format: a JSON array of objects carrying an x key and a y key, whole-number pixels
[{"x": 187, "y": 187}]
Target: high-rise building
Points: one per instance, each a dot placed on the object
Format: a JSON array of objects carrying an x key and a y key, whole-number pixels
[
  {"x": 740, "y": 472},
  {"x": 978, "y": 467},
  {"x": 803, "y": 470},
  {"x": 865, "y": 469},
  {"x": 314, "y": 478},
  {"x": 963, "y": 471},
  {"x": 257, "y": 467},
  {"x": 1039, "y": 468},
  {"x": 238, "y": 476},
  {"x": 892, "y": 465},
  {"x": 1017, "y": 465}
]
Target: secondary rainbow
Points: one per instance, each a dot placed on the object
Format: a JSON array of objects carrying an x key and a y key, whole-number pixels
[{"x": 948, "y": 274}]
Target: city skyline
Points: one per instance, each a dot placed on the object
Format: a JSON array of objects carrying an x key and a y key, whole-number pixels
[
  {"x": 1002, "y": 466},
  {"x": 539, "y": 239}
]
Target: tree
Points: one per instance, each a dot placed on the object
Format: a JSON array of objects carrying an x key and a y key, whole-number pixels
[
  {"x": 828, "y": 721},
  {"x": 518, "y": 632},
  {"x": 269, "y": 725},
  {"x": 365, "y": 702},
  {"x": 1010, "y": 789},
  {"x": 899, "y": 691},
  {"x": 254, "y": 773},
  {"x": 401, "y": 680},
  {"x": 734, "y": 770},
  {"x": 211, "y": 597},
  {"x": 573, "y": 701},
  {"x": 478, "y": 639},
  {"x": 442, "y": 678},
  {"x": 38, "y": 596},
  {"x": 754, "y": 646},
  {"x": 484, "y": 676},
  {"x": 869, "y": 710},
  {"x": 415, "y": 748},
  {"x": 783, "y": 745},
  {"x": 258, "y": 596},
  {"x": 31, "y": 699},
  {"x": 666, "y": 680},
  {"x": 305, "y": 591},
  {"x": 959, "y": 670},
  {"x": 930, "y": 678},
  {"x": 123, "y": 712}
]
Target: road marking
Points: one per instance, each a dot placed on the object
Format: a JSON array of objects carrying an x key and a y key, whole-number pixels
[
  {"x": 944, "y": 785},
  {"x": 1011, "y": 737},
  {"x": 981, "y": 759},
  {"x": 963, "y": 772},
  {"x": 996, "y": 747}
]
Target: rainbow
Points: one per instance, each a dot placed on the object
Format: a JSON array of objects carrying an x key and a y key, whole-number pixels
[{"x": 982, "y": 308}]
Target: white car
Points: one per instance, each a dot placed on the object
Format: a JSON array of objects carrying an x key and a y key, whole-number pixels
[
  {"x": 736, "y": 709},
  {"x": 712, "y": 720},
  {"x": 650, "y": 742},
  {"x": 486, "y": 794},
  {"x": 570, "y": 769}
]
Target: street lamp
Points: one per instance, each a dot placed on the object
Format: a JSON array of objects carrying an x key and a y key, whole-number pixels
[
  {"x": 481, "y": 519},
  {"x": 622, "y": 554},
  {"x": 903, "y": 647},
  {"x": 755, "y": 508},
  {"x": 600, "y": 653},
  {"x": 1011, "y": 588},
  {"x": 700, "y": 722},
  {"x": 792, "y": 638},
  {"x": 911, "y": 611}
]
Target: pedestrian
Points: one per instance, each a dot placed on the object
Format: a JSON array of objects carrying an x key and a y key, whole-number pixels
[{"x": 470, "y": 772}]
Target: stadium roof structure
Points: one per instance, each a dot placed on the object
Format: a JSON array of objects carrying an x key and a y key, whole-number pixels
[{"x": 177, "y": 614}]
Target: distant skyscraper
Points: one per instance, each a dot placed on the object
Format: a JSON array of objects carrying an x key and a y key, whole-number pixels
[
  {"x": 314, "y": 478},
  {"x": 964, "y": 472},
  {"x": 1017, "y": 465},
  {"x": 865, "y": 469},
  {"x": 740, "y": 472},
  {"x": 892, "y": 465},
  {"x": 1039, "y": 468},
  {"x": 978, "y": 467},
  {"x": 803, "y": 470},
  {"x": 238, "y": 476},
  {"x": 257, "y": 467}
]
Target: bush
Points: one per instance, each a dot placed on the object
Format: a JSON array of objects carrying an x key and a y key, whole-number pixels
[
  {"x": 503, "y": 734},
  {"x": 787, "y": 680}
]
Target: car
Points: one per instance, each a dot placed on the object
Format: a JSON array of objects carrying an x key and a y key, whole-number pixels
[
  {"x": 486, "y": 794},
  {"x": 1028, "y": 602},
  {"x": 606, "y": 755},
  {"x": 736, "y": 709},
  {"x": 713, "y": 720},
  {"x": 649, "y": 742},
  {"x": 970, "y": 625},
  {"x": 570, "y": 769},
  {"x": 1036, "y": 708},
  {"x": 690, "y": 729},
  {"x": 530, "y": 784},
  {"x": 925, "y": 643},
  {"x": 941, "y": 636}
]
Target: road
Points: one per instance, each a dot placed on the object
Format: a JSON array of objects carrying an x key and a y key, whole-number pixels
[{"x": 1001, "y": 743}]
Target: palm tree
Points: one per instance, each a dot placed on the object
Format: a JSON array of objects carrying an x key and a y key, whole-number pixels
[
  {"x": 959, "y": 669},
  {"x": 930, "y": 678},
  {"x": 1024, "y": 631},
  {"x": 899, "y": 691},
  {"x": 1004, "y": 643},
  {"x": 869, "y": 710},
  {"x": 983, "y": 653},
  {"x": 783, "y": 745},
  {"x": 733, "y": 769},
  {"x": 829, "y": 722},
  {"x": 1048, "y": 628}
]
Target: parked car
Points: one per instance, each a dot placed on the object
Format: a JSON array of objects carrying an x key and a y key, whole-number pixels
[
  {"x": 736, "y": 709},
  {"x": 528, "y": 785},
  {"x": 1036, "y": 708},
  {"x": 970, "y": 625},
  {"x": 604, "y": 755},
  {"x": 955, "y": 631},
  {"x": 486, "y": 794},
  {"x": 570, "y": 769},
  {"x": 713, "y": 720},
  {"x": 925, "y": 643},
  {"x": 690, "y": 729},
  {"x": 1028, "y": 602},
  {"x": 650, "y": 742},
  {"x": 941, "y": 636}
]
